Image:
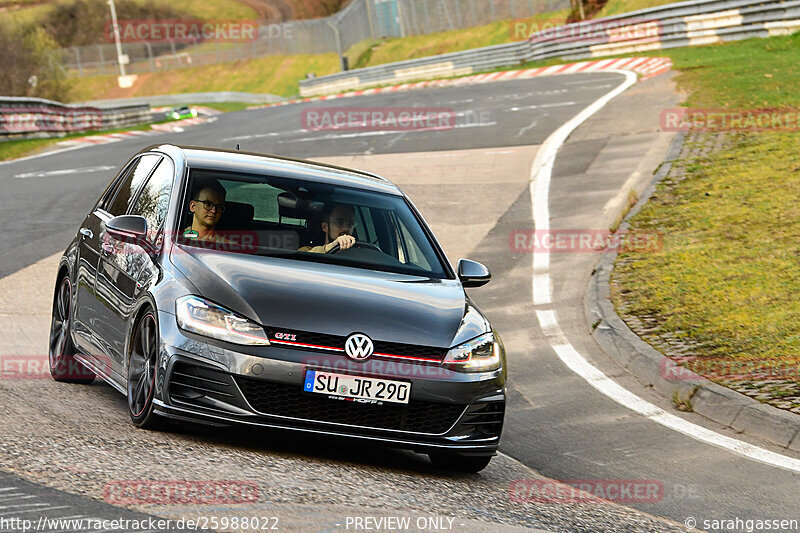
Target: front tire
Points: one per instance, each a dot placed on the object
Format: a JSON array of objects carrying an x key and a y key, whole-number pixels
[
  {"x": 457, "y": 462},
  {"x": 63, "y": 366},
  {"x": 142, "y": 373}
]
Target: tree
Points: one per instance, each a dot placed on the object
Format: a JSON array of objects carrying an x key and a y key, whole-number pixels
[{"x": 30, "y": 63}]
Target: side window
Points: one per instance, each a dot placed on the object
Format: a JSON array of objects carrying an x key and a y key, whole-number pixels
[
  {"x": 153, "y": 201},
  {"x": 364, "y": 220},
  {"x": 127, "y": 189},
  {"x": 415, "y": 255}
]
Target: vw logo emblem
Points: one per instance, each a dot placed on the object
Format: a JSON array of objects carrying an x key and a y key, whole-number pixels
[{"x": 358, "y": 347}]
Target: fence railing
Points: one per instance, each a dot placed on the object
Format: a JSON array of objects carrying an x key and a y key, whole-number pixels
[
  {"x": 674, "y": 25},
  {"x": 359, "y": 21},
  {"x": 24, "y": 117}
]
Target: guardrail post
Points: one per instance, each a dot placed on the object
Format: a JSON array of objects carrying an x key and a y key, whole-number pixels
[
  {"x": 443, "y": 5},
  {"x": 369, "y": 6},
  {"x": 78, "y": 60},
  {"x": 427, "y": 16},
  {"x": 414, "y": 17},
  {"x": 401, "y": 16},
  {"x": 150, "y": 59},
  {"x": 102, "y": 58}
]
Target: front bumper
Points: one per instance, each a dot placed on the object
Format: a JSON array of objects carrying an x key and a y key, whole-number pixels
[{"x": 219, "y": 384}]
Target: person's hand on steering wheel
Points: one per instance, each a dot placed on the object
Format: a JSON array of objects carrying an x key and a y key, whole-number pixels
[{"x": 342, "y": 242}]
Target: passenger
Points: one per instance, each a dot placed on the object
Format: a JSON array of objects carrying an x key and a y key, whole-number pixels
[
  {"x": 338, "y": 223},
  {"x": 208, "y": 206}
]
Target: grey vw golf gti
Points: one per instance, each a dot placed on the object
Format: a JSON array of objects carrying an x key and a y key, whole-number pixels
[{"x": 237, "y": 288}]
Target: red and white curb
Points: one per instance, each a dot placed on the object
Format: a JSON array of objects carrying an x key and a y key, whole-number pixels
[
  {"x": 105, "y": 139},
  {"x": 179, "y": 125},
  {"x": 647, "y": 67},
  {"x": 156, "y": 129}
]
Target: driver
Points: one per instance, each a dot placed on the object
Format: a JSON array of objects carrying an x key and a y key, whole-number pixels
[
  {"x": 338, "y": 223},
  {"x": 207, "y": 208}
]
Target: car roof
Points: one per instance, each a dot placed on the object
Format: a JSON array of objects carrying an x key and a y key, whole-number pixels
[{"x": 255, "y": 163}]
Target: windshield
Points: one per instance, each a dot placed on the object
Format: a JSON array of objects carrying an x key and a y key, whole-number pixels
[{"x": 263, "y": 215}]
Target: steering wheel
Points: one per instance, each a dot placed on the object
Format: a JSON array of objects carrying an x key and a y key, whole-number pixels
[{"x": 357, "y": 244}]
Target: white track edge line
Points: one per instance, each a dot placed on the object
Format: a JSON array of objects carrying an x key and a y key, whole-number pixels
[{"x": 541, "y": 172}]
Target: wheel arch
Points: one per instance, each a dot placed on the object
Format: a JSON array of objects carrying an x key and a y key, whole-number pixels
[{"x": 146, "y": 304}]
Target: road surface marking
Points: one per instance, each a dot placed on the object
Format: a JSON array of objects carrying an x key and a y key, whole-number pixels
[{"x": 541, "y": 172}]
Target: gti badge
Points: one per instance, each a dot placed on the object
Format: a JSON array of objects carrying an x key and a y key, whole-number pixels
[{"x": 358, "y": 347}]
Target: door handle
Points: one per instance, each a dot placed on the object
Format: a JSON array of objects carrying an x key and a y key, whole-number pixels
[{"x": 86, "y": 232}]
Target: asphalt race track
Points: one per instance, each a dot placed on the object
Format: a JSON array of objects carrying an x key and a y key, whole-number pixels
[{"x": 471, "y": 182}]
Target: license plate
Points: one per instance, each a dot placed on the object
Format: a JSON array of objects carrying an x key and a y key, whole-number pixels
[{"x": 357, "y": 387}]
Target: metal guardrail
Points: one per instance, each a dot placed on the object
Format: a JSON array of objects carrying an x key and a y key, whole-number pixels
[
  {"x": 674, "y": 25},
  {"x": 37, "y": 117}
]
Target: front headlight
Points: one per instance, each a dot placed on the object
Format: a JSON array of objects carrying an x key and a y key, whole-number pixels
[
  {"x": 205, "y": 318},
  {"x": 481, "y": 354}
]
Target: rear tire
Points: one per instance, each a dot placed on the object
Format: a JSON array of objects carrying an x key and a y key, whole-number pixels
[
  {"x": 457, "y": 462},
  {"x": 63, "y": 366},
  {"x": 142, "y": 373}
]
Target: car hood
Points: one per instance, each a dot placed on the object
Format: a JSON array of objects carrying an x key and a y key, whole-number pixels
[{"x": 332, "y": 299}]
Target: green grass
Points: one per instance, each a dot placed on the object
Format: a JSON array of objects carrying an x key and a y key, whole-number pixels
[
  {"x": 746, "y": 74},
  {"x": 279, "y": 75},
  {"x": 617, "y": 7},
  {"x": 225, "y": 106},
  {"x": 214, "y": 9},
  {"x": 390, "y": 50},
  {"x": 726, "y": 280},
  {"x": 726, "y": 277},
  {"x": 24, "y": 147}
]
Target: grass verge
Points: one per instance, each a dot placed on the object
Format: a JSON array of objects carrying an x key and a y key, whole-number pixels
[
  {"x": 271, "y": 74},
  {"x": 15, "y": 149},
  {"x": 722, "y": 291}
]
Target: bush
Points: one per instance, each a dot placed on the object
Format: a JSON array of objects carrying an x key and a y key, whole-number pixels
[
  {"x": 29, "y": 63},
  {"x": 82, "y": 22},
  {"x": 590, "y": 9}
]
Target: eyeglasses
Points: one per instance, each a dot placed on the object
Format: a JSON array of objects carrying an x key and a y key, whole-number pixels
[{"x": 211, "y": 205}]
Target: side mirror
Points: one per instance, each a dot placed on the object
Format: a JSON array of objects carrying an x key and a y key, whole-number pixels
[
  {"x": 128, "y": 228},
  {"x": 472, "y": 273}
]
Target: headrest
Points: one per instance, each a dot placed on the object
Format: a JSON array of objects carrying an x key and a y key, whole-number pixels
[
  {"x": 290, "y": 206},
  {"x": 239, "y": 212}
]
